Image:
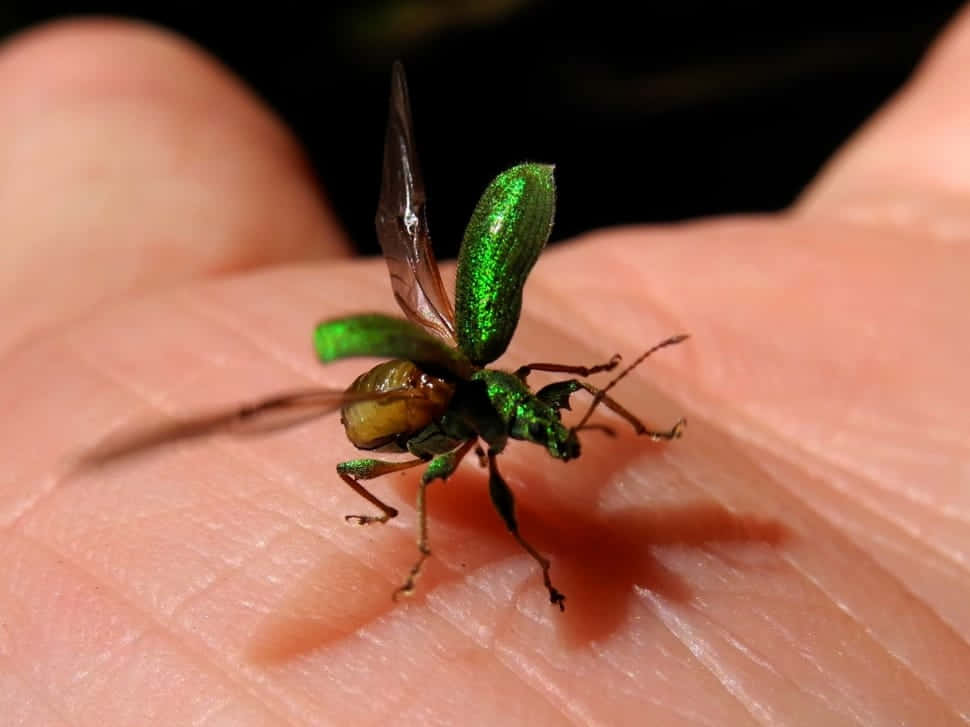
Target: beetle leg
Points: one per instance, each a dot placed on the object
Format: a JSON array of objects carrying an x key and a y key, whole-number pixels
[
  {"x": 354, "y": 470},
  {"x": 600, "y": 397},
  {"x": 504, "y": 502},
  {"x": 523, "y": 371},
  {"x": 557, "y": 393},
  {"x": 441, "y": 467}
]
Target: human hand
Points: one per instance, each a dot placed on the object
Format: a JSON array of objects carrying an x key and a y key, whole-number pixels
[{"x": 799, "y": 556}]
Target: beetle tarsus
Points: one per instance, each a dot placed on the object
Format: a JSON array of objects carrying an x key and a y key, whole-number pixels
[
  {"x": 556, "y": 598},
  {"x": 408, "y": 588},
  {"x": 675, "y": 432},
  {"x": 368, "y": 519}
]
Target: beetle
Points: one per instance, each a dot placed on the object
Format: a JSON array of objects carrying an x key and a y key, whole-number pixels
[{"x": 434, "y": 397}]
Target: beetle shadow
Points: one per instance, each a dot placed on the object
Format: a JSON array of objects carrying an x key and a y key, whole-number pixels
[{"x": 598, "y": 557}]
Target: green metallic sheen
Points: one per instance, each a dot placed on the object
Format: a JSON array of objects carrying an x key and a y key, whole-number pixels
[
  {"x": 502, "y": 242},
  {"x": 442, "y": 467},
  {"x": 557, "y": 394},
  {"x": 526, "y": 417},
  {"x": 374, "y": 334},
  {"x": 357, "y": 467}
]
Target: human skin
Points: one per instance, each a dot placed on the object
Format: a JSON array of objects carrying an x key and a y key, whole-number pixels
[{"x": 801, "y": 556}]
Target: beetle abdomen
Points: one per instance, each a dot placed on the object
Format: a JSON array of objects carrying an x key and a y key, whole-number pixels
[{"x": 374, "y": 424}]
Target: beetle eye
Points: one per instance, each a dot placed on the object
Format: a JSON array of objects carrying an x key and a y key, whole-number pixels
[{"x": 536, "y": 430}]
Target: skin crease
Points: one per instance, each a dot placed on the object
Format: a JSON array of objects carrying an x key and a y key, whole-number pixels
[{"x": 801, "y": 556}]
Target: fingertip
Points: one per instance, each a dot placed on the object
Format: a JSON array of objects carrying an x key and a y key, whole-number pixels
[{"x": 130, "y": 159}]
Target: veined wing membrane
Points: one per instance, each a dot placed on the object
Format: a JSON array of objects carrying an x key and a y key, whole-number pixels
[
  {"x": 402, "y": 227},
  {"x": 278, "y": 412}
]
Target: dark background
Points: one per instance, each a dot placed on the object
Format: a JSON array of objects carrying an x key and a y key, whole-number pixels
[{"x": 674, "y": 111}]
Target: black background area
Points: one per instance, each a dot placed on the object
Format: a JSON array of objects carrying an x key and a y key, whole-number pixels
[{"x": 669, "y": 112}]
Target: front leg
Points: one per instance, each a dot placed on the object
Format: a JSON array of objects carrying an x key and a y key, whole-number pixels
[
  {"x": 600, "y": 397},
  {"x": 355, "y": 470},
  {"x": 557, "y": 395},
  {"x": 523, "y": 371}
]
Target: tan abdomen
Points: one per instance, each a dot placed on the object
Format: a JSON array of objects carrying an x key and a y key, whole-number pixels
[{"x": 374, "y": 424}]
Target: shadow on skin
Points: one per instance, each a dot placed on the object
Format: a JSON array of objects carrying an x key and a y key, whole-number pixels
[{"x": 597, "y": 557}]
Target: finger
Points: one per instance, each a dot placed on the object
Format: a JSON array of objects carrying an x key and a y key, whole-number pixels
[
  {"x": 129, "y": 160},
  {"x": 914, "y": 154}
]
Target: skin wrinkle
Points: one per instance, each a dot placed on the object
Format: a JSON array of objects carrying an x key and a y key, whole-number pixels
[
  {"x": 287, "y": 520},
  {"x": 131, "y": 522},
  {"x": 153, "y": 400},
  {"x": 783, "y": 443},
  {"x": 785, "y": 448},
  {"x": 927, "y": 561},
  {"x": 544, "y": 688},
  {"x": 35, "y": 689},
  {"x": 213, "y": 713},
  {"x": 494, "y": 650},
  {"x": 838, "y": 687},
  {"x": 485, "y": 650},
  {"x": 234, "y": 449},
  {"x": 726, "y": 634},
  {"x": 551, "y": 698},
  {"x": 845, "y": 608},
  {"x": 870, "y": 505},
  {"x": 824, "y": 701},
  {"x": 232, "y": 322},
  {"x": 222, "y": 577},
  {"x": 874, "y": 638},
  {"x": 691, "y": 716},
  {"x": 44, "y": 493},
  {"x": 323, "y": 536},
  {"x": 931, "y": 687},
  {"x": 198, "y": 656},
  {"x": 685, "y": 636}
]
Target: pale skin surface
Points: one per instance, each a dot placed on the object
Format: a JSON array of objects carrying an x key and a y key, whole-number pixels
[{"x": 801, "y": 556}]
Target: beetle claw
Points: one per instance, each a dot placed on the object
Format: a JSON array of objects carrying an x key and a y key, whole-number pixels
[
  {"x": 366, "y": 519},
  {"x": 557, "y": 598}
]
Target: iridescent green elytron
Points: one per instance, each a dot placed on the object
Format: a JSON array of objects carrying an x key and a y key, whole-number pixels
[
  {"x": 433, "y": 398},
  {"x": 507, "y": 231}
]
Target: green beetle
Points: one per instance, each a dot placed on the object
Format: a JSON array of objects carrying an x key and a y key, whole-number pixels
[{"x": 434, "y": 398}]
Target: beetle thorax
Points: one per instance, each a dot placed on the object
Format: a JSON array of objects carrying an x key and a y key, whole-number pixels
[{"x": 525, "y": 417}]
